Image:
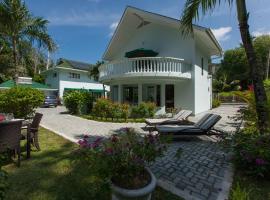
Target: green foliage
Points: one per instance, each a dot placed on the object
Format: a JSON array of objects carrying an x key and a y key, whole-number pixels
[
  {"x": 78, "y": 102},
  {"x": 215, "y": 103},
  {"x": 39, "y": 78},
  {"x": 3, "y": 178},
  {"x": 20, "y": 101},
  {"x": 105, "y": 108},
  {"x": 123, "y": 157},
  {"x": 143, "y": 110},
  {"x": 252, "y": 153},
  {"x": 238, "y": 193}
]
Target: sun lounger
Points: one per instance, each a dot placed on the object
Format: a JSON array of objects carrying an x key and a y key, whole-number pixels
[
  {"x": 182, "y": 115},
  {"x": 203, "y": 127}
]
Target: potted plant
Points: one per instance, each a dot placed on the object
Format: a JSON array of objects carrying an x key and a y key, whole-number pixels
[{"x": 122, "y": 159}]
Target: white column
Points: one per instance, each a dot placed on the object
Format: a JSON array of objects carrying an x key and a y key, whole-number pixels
[
  {"x": 162, "y": 98},
  {"x": 139, "y": 93},
  {"x": 120, "y": 91}
]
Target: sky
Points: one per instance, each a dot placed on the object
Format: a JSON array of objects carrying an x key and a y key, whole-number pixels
[{"x": 82, "y": 28}]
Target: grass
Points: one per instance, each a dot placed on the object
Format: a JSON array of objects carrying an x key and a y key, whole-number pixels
[
  {"x": 54, "y": 174},
  {"x": 119, "y": 120},
  {"x": 255, "y": 189}
]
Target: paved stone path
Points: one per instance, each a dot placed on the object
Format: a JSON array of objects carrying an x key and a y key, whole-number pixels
[{"x": 195, "y": 168}]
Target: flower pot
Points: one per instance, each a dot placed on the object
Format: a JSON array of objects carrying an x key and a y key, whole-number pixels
[{"x": 144, "y": 193}]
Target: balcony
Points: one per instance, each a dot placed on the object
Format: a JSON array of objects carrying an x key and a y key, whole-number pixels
[{"x": 161, "y": 67}]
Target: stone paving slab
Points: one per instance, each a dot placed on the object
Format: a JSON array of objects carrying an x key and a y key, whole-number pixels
[{"x": 194, "y": 168}]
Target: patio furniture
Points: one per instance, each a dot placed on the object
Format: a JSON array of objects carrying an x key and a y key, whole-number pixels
[
  {"x": 203, "y": 127},
  {"x": 180, "y": 116},
  {"x": 32, "y": 133},
  {"x": 10, "y": 135}
]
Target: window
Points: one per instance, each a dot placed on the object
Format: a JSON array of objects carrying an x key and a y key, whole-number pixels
[
  {"x": 202, "y": 63},
  {"x": 74, "y": 75},
  {"x": 54, "y": 74}
]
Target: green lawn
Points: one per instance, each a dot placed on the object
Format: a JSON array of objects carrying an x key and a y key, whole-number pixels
[
  {"x": 257, "y": 189},
  {"x": 53, "y": 173}
]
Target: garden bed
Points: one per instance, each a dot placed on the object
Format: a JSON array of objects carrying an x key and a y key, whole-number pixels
[
  {"x": 51, "y": 174},
  {"x": 121, "y": 120},
  {"x": 256, "y": 189}
]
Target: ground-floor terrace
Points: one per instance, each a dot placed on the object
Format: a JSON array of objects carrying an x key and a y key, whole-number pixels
[
  {"x": 166, "y": 94},
  {"x": 193, "y": 167}
]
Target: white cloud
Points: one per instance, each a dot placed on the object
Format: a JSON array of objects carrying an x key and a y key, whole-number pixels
[
  {"x": 222, "y": 33},
  {"x": 261, "y": 31},
  {"x": 83, "y": 18},
  {"x": 113, "y": 27}
]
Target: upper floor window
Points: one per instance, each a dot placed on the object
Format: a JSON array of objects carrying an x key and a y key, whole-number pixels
[
  {"x": 74, "y": 75},
  {"x": 54, "y": 74},
  {"x": 202, "y": 65}
]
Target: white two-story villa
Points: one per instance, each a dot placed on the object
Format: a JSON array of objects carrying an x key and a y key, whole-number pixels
[
  {"x": 72, "y": 75},
  {"x": 148, "y": 59}
]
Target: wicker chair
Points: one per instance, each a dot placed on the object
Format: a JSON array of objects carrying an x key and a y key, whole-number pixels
[
  {"x": 34, "y": 130},
  {"x": 10, "y": 135}
]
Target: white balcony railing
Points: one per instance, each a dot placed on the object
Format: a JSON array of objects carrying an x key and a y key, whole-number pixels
[{"x": 146, "y": 66}]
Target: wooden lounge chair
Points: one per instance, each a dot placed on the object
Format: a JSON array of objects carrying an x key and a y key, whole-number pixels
[
  {"x": 180, "y": 116},
  {"x": 203, "y": 127},
  {"x": 33, "y": 130},
  {"x": 10, "y": 135}
]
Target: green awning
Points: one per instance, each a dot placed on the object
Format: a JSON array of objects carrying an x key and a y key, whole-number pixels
[
  {"x": 10, "y": 83},
  {"x": 96, "y": 91},
  {"x": 141, "y": 53}
]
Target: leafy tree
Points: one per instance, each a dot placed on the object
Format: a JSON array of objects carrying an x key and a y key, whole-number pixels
[
  {"x": 192, "y": 11},
  {"x": 18, "y": 26},
  {"x": 235, "y": 66},
  {"x": 94, "y": 72}
]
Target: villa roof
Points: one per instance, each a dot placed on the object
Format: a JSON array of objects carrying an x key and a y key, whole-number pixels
[
  {"x": 134, "y": 17},
  {"x": 10, "y": 83},
  {"x": 65, "y": 63}
]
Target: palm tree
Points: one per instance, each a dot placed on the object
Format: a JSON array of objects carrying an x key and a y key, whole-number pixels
[
  {"x": 192, "y": 10},
  {"x": 94, "y": 72},
  {"x": 17, "y": 25}
]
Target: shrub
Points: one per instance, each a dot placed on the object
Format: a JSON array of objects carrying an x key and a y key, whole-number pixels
[
  {"x": 107, "y": 109},
  {"x": 103, "y": 108},
  {"x": 143, "y": 110},
  {"x": 78, "y": 102},
  {"x": 122, "y": 158},
  {"x": 252, "y": 153},
  {"x": 216, "y": 103},
  {"x": 20, "y": 101}
]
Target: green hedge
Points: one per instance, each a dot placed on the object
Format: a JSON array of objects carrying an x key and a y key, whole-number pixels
[
  {"x": 105, "y": 108},
  {"x": 78, "y": 102},
  {"x": 20, "y": 101}
]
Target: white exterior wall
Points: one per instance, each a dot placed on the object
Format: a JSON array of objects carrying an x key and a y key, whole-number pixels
[
  {"x": 191, "y": 94},
  {"x": 168, "y": 42},
  {"x": 63, "y": 81},
  {"x": 201, "y": 82}
]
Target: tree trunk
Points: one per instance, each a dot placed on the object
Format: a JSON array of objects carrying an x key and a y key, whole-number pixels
[{"x": 256, "y": 70}]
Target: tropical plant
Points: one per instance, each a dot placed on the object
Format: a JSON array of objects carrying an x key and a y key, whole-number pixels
[
  {"x": 192, "y": 11},
  {"x": 216, "y": 103},
  {"x": 21, "y": 101},
  {"x": 18, "y": 26},
  {"x": 94, "y": 72},
  {"x": 239, "y": 193},
  {"x": 122, "y": 158},
  {"x": 143, "y": 110},
  {"x": 78, "y": 102}
]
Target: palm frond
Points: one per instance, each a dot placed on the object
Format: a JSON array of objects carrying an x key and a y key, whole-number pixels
[{"x": 194, "y": 8}]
